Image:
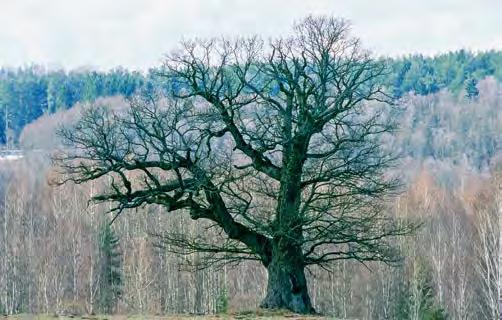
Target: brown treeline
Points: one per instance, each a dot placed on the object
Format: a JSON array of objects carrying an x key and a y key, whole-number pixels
[{"x": 50, "y": 261}]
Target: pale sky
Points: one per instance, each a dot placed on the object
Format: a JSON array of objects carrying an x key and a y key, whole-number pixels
[{"x": 136, "y": 33}]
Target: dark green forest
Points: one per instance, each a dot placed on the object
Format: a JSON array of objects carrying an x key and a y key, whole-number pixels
[
  {"x": 29, "y": 92},
  {"x": 455, "y": 71}
]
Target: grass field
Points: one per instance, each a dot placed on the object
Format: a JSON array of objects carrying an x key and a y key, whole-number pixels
[{"x": 240, "y": 315}]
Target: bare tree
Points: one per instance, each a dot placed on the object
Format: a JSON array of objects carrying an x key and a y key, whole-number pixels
[
  {"x": 487, "y": 244},
  {"x": 276, "y": 145}
]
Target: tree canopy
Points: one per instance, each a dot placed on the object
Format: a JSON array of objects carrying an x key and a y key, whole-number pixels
[{"x": 278, "y": 145}]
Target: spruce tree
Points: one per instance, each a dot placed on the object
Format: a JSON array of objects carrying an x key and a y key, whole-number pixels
[
  {"x": 471, "y": 88},
  {"x": 416, "y": 296},
  {"x": 111, "y": 269}
]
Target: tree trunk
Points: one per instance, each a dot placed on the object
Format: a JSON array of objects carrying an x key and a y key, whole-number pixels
[{"x": 287, "y": 285}]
